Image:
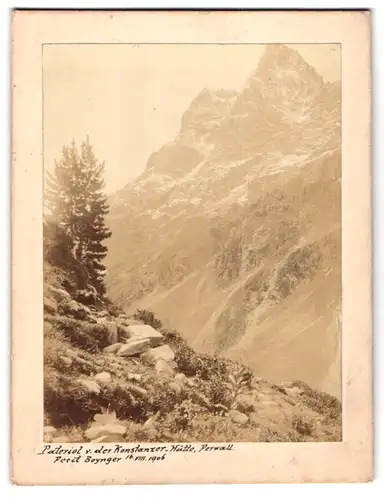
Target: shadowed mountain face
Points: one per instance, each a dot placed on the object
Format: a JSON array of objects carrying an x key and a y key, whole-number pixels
[{"x": 232, "y": 234}]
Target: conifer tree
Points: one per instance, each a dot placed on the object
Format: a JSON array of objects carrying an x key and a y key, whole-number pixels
[{"x": 75, "y": 198}]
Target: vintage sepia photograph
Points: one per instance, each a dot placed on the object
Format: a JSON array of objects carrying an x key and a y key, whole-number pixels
[
  {"x": 191, "y": 247},
  {"x": 192, "y": 242}
]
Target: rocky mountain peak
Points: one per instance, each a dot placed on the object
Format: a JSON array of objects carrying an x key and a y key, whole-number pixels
[
  {"x": 238, "y": 219},
  {"x": 280, "y": 62}
]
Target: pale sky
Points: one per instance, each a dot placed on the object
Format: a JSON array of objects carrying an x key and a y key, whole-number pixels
[{"x": 130, "y": 99}]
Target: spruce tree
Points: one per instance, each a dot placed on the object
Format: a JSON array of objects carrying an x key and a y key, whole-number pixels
[{"x": 75, "y": 198}]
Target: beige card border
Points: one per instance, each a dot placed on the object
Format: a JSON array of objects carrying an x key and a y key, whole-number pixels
[{"x": 349, "y": 461}]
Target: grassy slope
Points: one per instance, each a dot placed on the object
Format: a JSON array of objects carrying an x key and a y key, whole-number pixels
[{"x": 151, "y": 408}]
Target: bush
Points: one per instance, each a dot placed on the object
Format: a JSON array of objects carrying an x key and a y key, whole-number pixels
[
  {"x": 65, "y": 401},
  {"x": 148, "y": 318},
  {"x": 113, "y": 308},
  {"x": 57, "y": 247},
  {"x": 303, "y": 425},
  {"x": 162, "y": 398},
  {"x": 88, "y": 336},
  {"x": 318, "y": 401}
]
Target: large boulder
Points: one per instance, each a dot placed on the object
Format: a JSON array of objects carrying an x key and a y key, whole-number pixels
[
  {"x": 156, "y": 353},
  {"x": 146, "y": 332},
  {"x": 134, "y": 347},
  {"x": 112, "y": 349}
]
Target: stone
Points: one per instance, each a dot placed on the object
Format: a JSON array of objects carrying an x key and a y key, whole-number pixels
[
  {"x": 105, "y": 418},
  {"x": 190, "y": 382},
  {"x": 59, "y": 294},
  {"x": 85, "y": 308},
  {"x": 136, "y": 377},
  {"x": 139, "y": 391},
  {"x": 181, "y": 378},
  {"x": 76, "y": 310},
  {"x": 103, "y": 314},
  {"x": 296, "y": 390},
  {"x": 48, "y": 429},
  {"x": 90, "y": 385},
  {"x": 134, "y": 347},
  {"x": 114, "y": 429},
  {"x": 60, "y": 439},
  {"x": 65, "y": 361},
  {"x": 107, "y": 438},
  {"x": 175, "y": 387},
  {"x": 162, "y": 352},
  {"x": 50, "y": 305},
  {"x": 112, "y": 349},
  {"x": 146, "y": 332},
  {"x": 237, "y": 417},
  {"x": 200, "y": 399},
  {"x": 94, "y": 431},
  {"x": 163, "y": 369},
  {"x": 72, "y": 306},
  {"x": 104, "y": 377},
  {"x": 149, "y": 423}
]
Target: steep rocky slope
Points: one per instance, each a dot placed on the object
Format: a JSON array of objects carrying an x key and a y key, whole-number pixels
[
  {"x": 109, "y": 377},
  {"x": 232, "y": 233}
]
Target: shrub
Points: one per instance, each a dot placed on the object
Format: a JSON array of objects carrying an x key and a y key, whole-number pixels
[
  {"x": 113, "y": 308},
  {"x": 303, "y": 425},
  {"x": 318, "y": 401},
  {"x": 89, "y": 336},
  {"x": 57, "y": 247},
  {"x": 162, "y": 398},
  {"x": 65, "y": 401},
  {"x": 148, "y": 318}
]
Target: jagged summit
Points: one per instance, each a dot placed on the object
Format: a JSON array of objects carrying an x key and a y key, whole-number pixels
[{"x": 279, "y": 59}]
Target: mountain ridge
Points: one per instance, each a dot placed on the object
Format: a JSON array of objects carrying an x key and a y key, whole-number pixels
[{"x": 240, "y": 216}]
